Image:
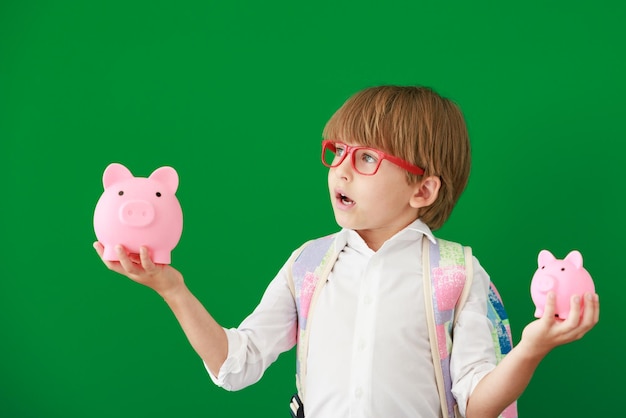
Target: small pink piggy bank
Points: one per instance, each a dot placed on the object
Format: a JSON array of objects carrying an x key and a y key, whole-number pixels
[
  {"x": 135, "y": 211},
  {"x": 564, "y": 277}
]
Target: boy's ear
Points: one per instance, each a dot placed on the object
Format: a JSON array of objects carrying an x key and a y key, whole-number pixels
[{"x": 426, "y": 192}]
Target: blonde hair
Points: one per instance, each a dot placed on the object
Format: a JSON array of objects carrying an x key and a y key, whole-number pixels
[{"x": 416, "y": 124}]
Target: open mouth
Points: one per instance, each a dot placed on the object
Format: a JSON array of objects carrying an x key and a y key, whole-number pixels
[{"x": 345, "y": 199}]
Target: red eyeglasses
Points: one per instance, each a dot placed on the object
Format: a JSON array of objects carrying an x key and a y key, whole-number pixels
[{"x": 364, "y": 160}]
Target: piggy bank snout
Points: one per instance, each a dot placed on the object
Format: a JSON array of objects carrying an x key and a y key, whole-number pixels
[
  {"x": 544, "y": 283},
  {"x": 136, "y": 213}
]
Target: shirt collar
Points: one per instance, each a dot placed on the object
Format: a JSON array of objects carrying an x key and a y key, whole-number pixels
[{"x": 415, "y": 230}]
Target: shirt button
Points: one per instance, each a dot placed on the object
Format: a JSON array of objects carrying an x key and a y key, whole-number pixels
[{"x": 358, "y": 393}]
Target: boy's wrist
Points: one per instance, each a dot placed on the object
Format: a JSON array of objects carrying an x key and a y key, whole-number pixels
[
  {"x": 174, "y": 292},
  {"x": 531, "y": 353}
]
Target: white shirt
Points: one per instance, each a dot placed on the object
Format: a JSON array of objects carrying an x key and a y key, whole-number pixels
[{"x": 369, "y": 352}]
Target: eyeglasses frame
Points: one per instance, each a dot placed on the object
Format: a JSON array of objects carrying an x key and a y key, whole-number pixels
[{"x": 350, "y": 150}]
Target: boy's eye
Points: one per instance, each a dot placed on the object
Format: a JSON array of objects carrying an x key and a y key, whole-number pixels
[
  {"x": 339, "y": 149},
  {"x": 369, "y": 158}
]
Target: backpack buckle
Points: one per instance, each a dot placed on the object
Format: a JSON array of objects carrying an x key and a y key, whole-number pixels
[{"x": 296, "y": 407}]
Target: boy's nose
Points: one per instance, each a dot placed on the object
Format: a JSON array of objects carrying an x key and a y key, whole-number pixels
[{"x": 345, "y": 169}]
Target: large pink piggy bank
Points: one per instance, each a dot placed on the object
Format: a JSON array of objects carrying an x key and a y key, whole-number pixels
[
  {"x": 135, "y": 211},
  {"x": 564, "y": 277}
]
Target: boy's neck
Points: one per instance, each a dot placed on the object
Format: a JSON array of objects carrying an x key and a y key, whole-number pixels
[{"x": 375, "y": 238}]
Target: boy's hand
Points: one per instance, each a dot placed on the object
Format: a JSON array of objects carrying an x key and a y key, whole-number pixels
[
  {"x": 161, "y": 278},
  {"x": 548, "y": 332}
]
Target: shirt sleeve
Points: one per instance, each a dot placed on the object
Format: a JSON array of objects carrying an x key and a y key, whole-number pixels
[
  {"x": 258, "y": 341},
  {"x": 473, "y": 354}
]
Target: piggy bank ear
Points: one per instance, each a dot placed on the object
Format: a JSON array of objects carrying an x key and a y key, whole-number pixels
[
  {"x": 575, "y": 258},
  {"x": 167, "y": 176},
  {"x": 115, "y": 172},
  {"x": 545, "y": 257}
]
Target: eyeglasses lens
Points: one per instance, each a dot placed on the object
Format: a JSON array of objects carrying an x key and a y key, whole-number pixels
[
  {"x": 329, "y": 155},
  {"x": 364, "y": 160}
]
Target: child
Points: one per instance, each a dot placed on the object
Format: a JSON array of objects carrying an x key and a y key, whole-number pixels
[{"x": 399, "y": 158}]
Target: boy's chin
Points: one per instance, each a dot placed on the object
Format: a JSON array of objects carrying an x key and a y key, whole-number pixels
[
  {"x": 342, "y": 222},
  {"x": 347, "y": 225}
]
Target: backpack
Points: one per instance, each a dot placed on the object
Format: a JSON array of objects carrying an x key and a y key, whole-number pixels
[{"x": 449, "y": 267}]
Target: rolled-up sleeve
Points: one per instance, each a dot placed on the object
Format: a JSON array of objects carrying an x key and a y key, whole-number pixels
[
  {"x": 258, "y": 341},
  {"x": 473, "y": 354}
]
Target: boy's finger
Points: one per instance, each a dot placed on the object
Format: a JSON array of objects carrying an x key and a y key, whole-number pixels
[
  {"x": 574, "y": 310},
  {"x": 146, "y": 262},
  {"x": 588, "y": 309},
  {"x": 596, "y": 304},
  {"x": 99, "y": 248},
  {"x": 550, "y": 307},
  {"x": 111, "y": 265},
  {"x": 125, "y": 261},
  {"x": 591, "y": 312}
]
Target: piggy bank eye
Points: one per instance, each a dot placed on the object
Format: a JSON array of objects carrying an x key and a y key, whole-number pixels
[
  {"x": 158, "y": 194},
  {"x": 121, "y": 193},
  {"x": 543, "y": 267},
  {"x": 562, "y": 268}
]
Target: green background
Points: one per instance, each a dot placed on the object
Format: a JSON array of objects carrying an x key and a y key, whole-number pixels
[{"x": 234, "y": 95}]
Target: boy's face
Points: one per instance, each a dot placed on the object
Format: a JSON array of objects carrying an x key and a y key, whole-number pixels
[{"x": 376, "y": 206}]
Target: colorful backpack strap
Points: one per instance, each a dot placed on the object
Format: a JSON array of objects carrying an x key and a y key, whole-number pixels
[
  {"x": 450, "y": 268},
  {"x": 444, "y": 262},
  {"x": 501, "y": 335},
  {"x": 310, "y": 271},
  {"x": 501, "y": 332}
]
